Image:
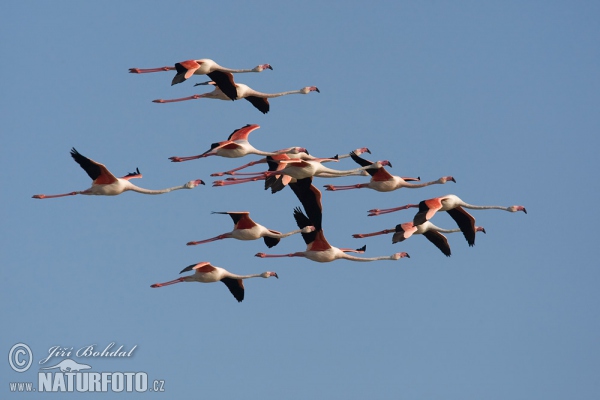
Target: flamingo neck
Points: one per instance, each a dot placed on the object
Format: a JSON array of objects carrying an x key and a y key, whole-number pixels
[{"x": 149, "y": 191}]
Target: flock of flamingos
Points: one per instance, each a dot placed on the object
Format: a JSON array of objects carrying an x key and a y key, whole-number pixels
[{"x": 293, "y": 167}]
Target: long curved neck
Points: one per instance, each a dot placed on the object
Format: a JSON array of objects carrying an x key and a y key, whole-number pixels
[
  {"x": 473, "y": 207},
  {"x": 253, "y": 92},
  {"x": 236, "y": 71},
  {"x": 433, "y": 227},
  {"x": 405, "y": 184},
  {"x": 149, "y": 191},
  {"x": 325, "y": 172},
  {"x": 282, "y": 235},
  {"x": 234, "y": 276},
  {"x": 353, "y": 258}
]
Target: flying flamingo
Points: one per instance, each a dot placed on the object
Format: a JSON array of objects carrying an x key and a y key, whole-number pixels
[
  {"x": 106, "y": 184},
  {"x": 221, "y": 75},
  {"x": 319, "y": 250},
  {"x": 207, "y": 273},
  {"x": 246, "y": 229},
  {"x": 302, "y": 155},
  {"x": 383, "y": 181},
  {"x": 236, "y": 146},
  {"x": 430, "y": 231},
  {"x": 258, "y": 99},
  {"x": 453, "y": 205},
  {"x": 300, "y": 169}
]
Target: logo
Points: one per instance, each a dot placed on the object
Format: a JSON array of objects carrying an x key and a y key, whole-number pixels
[
  {"x": 20, "y": 357},
  {"x": 70, "y": 375}
]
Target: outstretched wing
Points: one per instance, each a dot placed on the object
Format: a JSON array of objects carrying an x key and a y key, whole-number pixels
[
  {"x": 260, "y": 103},
  {"x": 236, "y": 287},
  {"x": 185, "y": 69},
  {"x": 243, "y": 132},
  {"x": 465, "y": 222},
  {"x": 440, "y": 241},
  {"x": 224, "y": 81},
  {"x": 98, "y": 172}
]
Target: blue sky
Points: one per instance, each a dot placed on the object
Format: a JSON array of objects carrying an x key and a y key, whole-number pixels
[{"x": 501, "y": 95}]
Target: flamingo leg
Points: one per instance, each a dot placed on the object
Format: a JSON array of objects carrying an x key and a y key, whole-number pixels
[
  {"x": 232, "y": 171},
  {"x": 146, "y": 70},
  {"x": 182, "y": 159},
  {"x": 347, "y": 187},
  {"x": 194, "y": 97},
  {"x": 168, "y": 283},
  {"x": 377, "y": 211},
  {"x": 51, "y": 196},
  {"x": 363, "y": 235},
  {"x": 263, "y": 255},
  {"x": 235, "y": 181},
  {"x": 223, "y": 236}
]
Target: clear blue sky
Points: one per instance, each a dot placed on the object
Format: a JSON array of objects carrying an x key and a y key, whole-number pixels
[{"x": 502, "y": 95}]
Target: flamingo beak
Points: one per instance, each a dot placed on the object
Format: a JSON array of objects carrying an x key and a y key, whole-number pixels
[{"x": 274, "y": 274}]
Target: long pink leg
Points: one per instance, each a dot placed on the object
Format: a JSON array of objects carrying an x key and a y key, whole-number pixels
[
  {"x": 232, "y": 171},
  {"x": 51, "y": 196},
  {"x": 263, "y": 255},
  {"x": 181, "y": 159},
  {"x": 168, "y": 283},
  {"x": 223, "y": 236},
  {"x": 347, "y": 187},
  {"x": 194, "y": 97},
  {"x": 233, "y": 181},
  {"x": 146, "y": 70},
  {"x": 383, "y": 232},
  {"x": 377, "y": 211}
]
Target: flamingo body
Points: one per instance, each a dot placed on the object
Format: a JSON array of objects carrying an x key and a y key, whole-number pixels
[
  {"x": 207, "y": 273},
  {"x": 104, "y": 183}
]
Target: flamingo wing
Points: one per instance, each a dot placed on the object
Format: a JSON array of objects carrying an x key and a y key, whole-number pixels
[
  {"x": 241, "y": 219},
  {"x": 236, "y": 287},
  {"x": 310, "y": 197},
  {"x": 243, "y": 132},
  {"x": 224, "y": 81},
  {"x": 133, "y": 175},
  {"x": 185, "y": 69},
  {"x": 98, "y": 172},
  {"x": 201, "y": 267},
  {"x": 303, "y": 221},
  {"x": 403, "y": 232},
  {"x": 427, "y": 209},
  {"x": 465, "y": 222},
  {"x": 439, "y": 241},
  {"x": 260, "y": 103},
  {"x": 271, "y": 241}
]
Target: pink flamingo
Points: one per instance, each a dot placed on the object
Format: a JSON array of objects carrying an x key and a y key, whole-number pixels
[
  {"x": 258, "y": 99},
  {"x": 430, "y": 231},
  {"x": 246, "y": 229},
  {"x": 319, "y": 250},
  {"x": 236, "y": 146},
  {"x": 383, "y": 181},
  {"x": 292, "y": 155},
  {"x": 104, "y": 183},
  {"x": 300, "y": 169},
  {"x": 207, "y": 273},
  {"x": 453, "y": 205},
  {"x": 221, "y": 75}
]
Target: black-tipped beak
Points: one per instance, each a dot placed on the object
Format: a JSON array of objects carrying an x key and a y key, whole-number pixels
[
  {"x": 453, "y": 180},
  {"x": 188, "y": 268},
  {"x": 483, "y": 230},
  {"x": 390, "y": 164},
  {"x": 317, "y": 89},
  {"x": 407, "y": 256},
  {"x": 202, "y": 183},
  {"x": 524, "y": 210},
  {"x": 270, "y": 67}
]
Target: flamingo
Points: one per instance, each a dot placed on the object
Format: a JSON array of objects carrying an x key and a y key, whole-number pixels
[
  {"x": 300, "y": 169},
  {"x": 319, "y": 250},
  {"x": 237, "y": 145},
  {"x": 258, "y": 99},
  {"x": 383, "y": 181},
  {"x": 106, "y": 184},
  {"x": 302, "y": 155},
  {"x": 246, "y": 229},
  {"x": 453, "y": 205},
  {"x": 207, "y": 273},
  {"x": 430, "y": 231},
  {"x": 221, "y": 75}
]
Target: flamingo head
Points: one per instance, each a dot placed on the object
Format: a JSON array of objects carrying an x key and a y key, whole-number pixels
[
  {"x": 517, "y": 208},
  {"x": 384, "y": 163},
  {"x": 269, "y": 274},
  {"x": 193, "y": 184},
  {"x": 398, "y": 256},
  {"x": 361, "y": 150},
  {"x": 445, "y": 179},
  {"x": 262, "y": 67},
  {"x": 480, "y": 229},
  {"x": 308, "y": 89},
  {"x": 297, "y": 150},
  {"x": 308, "y": 229}
]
